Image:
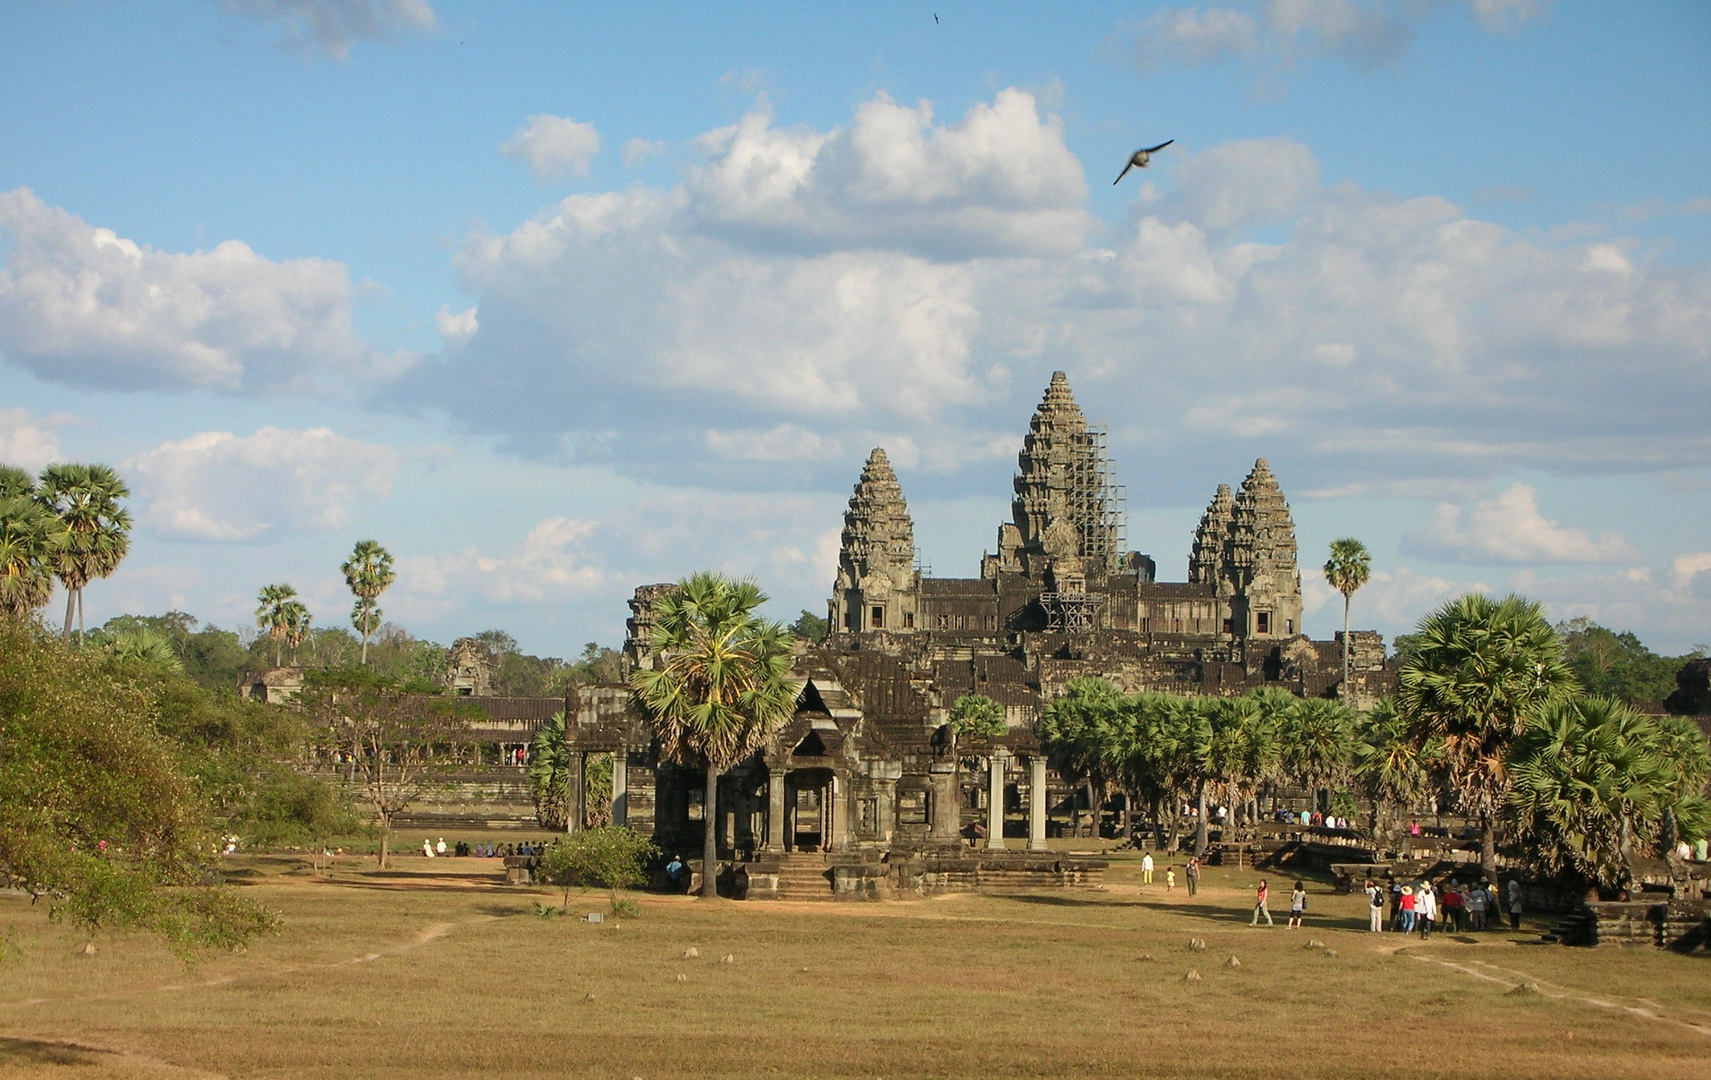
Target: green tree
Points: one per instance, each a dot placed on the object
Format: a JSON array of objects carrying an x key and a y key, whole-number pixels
[
  {"x": 95, "y": 814},
  {"x": 597, "y": 665},
  {"x": 86, "y": 499},
  {"x": 1077, "y": 731},
  {"x": 1482, "y": 672},
  {"x": 276, "y": 614},
  {"x": 810, "y": 627},
  {"x": 549, "y": 774},
  {"x": 30, "y": 539},
  {"x": 1389, "y": 767},
  {"x": 1616, "y": 665},
  {"x": 719, "y": 691},
  {"x": 1348, "y": 568},
  {"x": 1316, "y": 743},
  {"x": 610, "y": 857},
  {"x": 975, "y": 716},
  {"x": 142, "y": 645},
  {"x": 1244, "y": 751},
  {"x": 1595, "y": 783},
  {"x": 402, "y": 744},
  {"x": 368, "y": 573}
]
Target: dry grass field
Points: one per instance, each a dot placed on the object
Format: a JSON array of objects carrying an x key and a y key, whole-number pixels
[{"x": 436, "y": 970}]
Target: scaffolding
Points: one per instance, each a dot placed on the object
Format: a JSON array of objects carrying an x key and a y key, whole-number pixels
[
  {"x": 1098, "y": 504},
  {"x": 1071, "y": 612}
]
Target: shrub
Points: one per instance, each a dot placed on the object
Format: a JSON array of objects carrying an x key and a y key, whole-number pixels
[{"x": 612, "y": 858}]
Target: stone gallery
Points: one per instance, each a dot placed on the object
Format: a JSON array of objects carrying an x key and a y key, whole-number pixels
[{"x": 862, "y": 792}]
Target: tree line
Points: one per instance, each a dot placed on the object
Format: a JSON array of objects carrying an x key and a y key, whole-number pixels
[{"x": 1489, "y": 721}]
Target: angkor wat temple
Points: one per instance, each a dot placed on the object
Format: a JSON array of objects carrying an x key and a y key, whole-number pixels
[{"x": 859, "y": 794}]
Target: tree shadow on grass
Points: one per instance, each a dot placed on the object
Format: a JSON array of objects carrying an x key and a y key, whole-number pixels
[{"x": 43, "y": 1052}]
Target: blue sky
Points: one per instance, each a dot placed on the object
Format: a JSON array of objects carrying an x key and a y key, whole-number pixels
[{"x": 555, "y": 300}]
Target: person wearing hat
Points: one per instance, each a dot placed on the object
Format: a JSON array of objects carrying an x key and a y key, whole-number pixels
[
  {"x": 1425, "y": 909},
  {"x": 1407, "y": 909}
]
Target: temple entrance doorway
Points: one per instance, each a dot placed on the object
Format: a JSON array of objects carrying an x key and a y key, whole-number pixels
[{"x": 807, "y": 809}]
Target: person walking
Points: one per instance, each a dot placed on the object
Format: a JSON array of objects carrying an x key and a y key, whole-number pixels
[
  {"x": 1147, "y": 868},
  {"x": 1192, "y": 874},
  {"x": 1375, "y": 906},
  {"x": 1514, "y": 904},
  {"x": 1406, "y": 904},
  {"x": 1170, "y": 879},
  {"x": 1476, "y": 907},
  {"x": 1297, "y": 905},
  {"x": 1260, "y": 907},
  {"x": 1425, "y": 909}
]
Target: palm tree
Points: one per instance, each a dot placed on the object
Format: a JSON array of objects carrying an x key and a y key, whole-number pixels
[
  {"x": 720, "y": 690},
  {"x": 549, "y": 774},
  {"x": 368, "y": 573},
  {"x": 1075, "y": 731},
  {"x": 30, "y": 537},
  {"x": 277, "y": 613},
  {"x": 298, "y": 622},
  {"x": 1390, "y": 769},
  {"x": 1348, "y": 568},
  {"x": 98, "y": 530},
  {"x": 1594, "y": 780},
  {"x": 1480, "y": 673},
  {"x": 15, "y": 483},
  {"x": 1317, "y": 743}
]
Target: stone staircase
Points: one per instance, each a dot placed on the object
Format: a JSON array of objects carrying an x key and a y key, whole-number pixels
[{"x": 804, "y": 875}]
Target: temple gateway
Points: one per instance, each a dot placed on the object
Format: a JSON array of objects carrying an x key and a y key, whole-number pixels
[{"x": 860, "y": 794}]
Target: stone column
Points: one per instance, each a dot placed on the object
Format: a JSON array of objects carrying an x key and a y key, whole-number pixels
[
  {"x": 995, "y": 801},
  {"x": 837, "y": 814},
  {"x": 946, "y": 814},
  {"x": 1037, "y": 803},
  {"x": 621, "y": 785},
  {"x": 775, "y": 810},
  {"x": 575, "y": 792}
]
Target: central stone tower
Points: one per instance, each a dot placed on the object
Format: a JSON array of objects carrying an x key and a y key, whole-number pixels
[
  {"x": 877, "y": 584},
  {"x": 1064, "y": 518}
]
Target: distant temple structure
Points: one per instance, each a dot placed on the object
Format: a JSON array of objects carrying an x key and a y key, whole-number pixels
[{"x": 860, "y": 794}]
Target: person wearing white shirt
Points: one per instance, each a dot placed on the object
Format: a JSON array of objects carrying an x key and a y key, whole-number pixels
[{"x": 1147, "y": 868}]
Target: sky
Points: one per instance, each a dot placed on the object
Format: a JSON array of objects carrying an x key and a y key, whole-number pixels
[{"x": 554, "y": 300}]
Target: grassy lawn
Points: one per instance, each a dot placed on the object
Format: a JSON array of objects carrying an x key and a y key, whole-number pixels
[{"x": 434, "y": 969}]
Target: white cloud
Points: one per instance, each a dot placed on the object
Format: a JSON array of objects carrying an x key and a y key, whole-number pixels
[
  {"x": 1281, "y": 34},
  {"x": 459, "y": 327},
  {"x": 774, "y": 289},
  {"x": 333, "y": 26},
  {"x": 1690, "y": 565},
  {"x": 637, "y": 151},
  {"x": 550, "y": 564},
  {"x": 786, "y": 442},
  {"x": 1509, "y": 528},
  {"x": 555, "y": 147},
  {"x": 219, "y": 486},
  {"x": 81, "y": 305},
  {"x": 30, "y": 441}
]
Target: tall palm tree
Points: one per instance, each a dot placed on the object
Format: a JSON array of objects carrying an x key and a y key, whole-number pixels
[
  {"x": 549, "y": 774},
  {"x": 98, "y": 529},
  {"x": 275, "y": 613},
  {"x": 1075, "y": 731},
  {"x": 720, "y": 690},
  {"x": 15, "y": 483},
  {"x": 1348, "y": 568},
  {"x": 298, "y": 622},
  {"x": 30, "y": 537},
  {"x": 368, "y": 573},
  {"x": 1480, "y": 673},
  {"x": 1317, "y": 740}
]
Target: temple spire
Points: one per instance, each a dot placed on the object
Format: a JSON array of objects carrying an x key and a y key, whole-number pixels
[{"x": 876, "y": 562}]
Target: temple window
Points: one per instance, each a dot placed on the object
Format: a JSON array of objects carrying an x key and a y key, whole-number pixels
[
  {"x": 1230, "y": 627},
  {"x": 992, "y": 622},
  {"x": 908, "y": 620},
  {"x": 878, "y": 617},
  {"x": 1289, "y": 626},
  {"x": 1264, "y": 622}
]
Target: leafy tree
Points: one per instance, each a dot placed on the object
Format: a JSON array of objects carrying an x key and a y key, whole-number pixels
[
  {"x": 1156, "y": 758},
  {"x": 15, "y": 483},
  {"x": 810, "y": 627},
  {"x": 368, "y": 573},
  {"x": 549, "y": 774},
  {"x": 1483, "y": 671},
  {"x": 30, "y": 539},
  {"x": 145, "y": 646},
  {"x": 86, "y": 499},
  {"x": 95, "y": 814},
  {"x": 1389, "y": 767},
  {"x": 597, "y": 665},
  {"x": 1348, "y": 568},
  {"x": 298, "y": 623},
  {"x": 611, "y": 857},
  {"x": 1595, "y": 783},
  {"x": 402, "y": 744},
  {"x": 276, "y": 614},
  {"x": 976, "y": 716},
  {"x": 1316, "y": 742},
  {"x": 1615, "y": 665},
  {"x": 1076, "y": 732},
  {"x": 1243, "y": 752},
  {"x": 719, "y": 691}
]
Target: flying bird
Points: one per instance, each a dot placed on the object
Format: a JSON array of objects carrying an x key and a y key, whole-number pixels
[{"x": 1139, "y": 160}]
